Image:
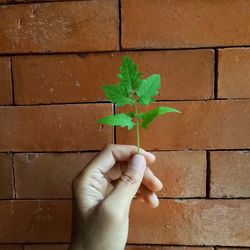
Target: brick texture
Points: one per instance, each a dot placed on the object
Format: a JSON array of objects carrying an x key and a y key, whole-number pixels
[
  {"x": 46, "y": 247},
  {"x": 55, "y": 55},
  {"x": 54, "y": 128},
  {"x": 6, "y": 186},
  {"x": 173, "y": 24},
  {"x": 57, "y": 27},
  {"x": 47, "y": 175},
  {"x": 64, "y": 247},
  {"x": 5, "y": 81},
  {"x": 50, "y": 175},
  {"x": 11, "y": 247},
  {"x": 38, "y": 221},
  {"x": 230, "y": 173},
  {"x": 78, "y": 78},
  {"x": 201, "y": 125},
  {"x": 234, "y": 73},
  {"x": 194, "y": 222}
]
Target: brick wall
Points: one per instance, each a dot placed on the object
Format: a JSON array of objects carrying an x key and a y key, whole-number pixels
[{"x": 54, "y": 57}]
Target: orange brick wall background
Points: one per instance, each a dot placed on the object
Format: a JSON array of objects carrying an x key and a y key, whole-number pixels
[{"x": 54, "y": 58}]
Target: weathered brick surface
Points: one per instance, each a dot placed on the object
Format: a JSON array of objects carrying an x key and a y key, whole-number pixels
[
  {"x": 230, "y": 171},
  {"x": 234, "y": 73},
  {"x": 190, "y": 222},
  {"x": 32, "y": 172},
  {"x": 6, "y": 181},
  {"x": 11, "y": 247},
  {"x": 78, "y": 78},
  {"x": 182, "y": 173},
  {"x": 35, "y": 221},
  {"x": 57, "y": 27},
  {"x": 54, "y": 128},
  {"x": 5, "y": 81},
  {"x": 133, "y": 247},
  {"x": 201, "y": 125},
  {"x": 46, "y": 247},
  {"x": 166, "y": 248},
  {"x": 173, "y": 24}
]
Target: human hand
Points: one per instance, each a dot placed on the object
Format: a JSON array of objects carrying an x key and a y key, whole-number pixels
[{"x": 102, "y": 194}]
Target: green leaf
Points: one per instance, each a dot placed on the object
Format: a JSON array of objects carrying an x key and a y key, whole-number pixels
[
  {"x": 148, "y": 117},
  {"x": 117, "y": 94},
  {"x": 129, "y": 75},
  {"x": 149, "y": 88},
  {"x": 121, "y": 119}
]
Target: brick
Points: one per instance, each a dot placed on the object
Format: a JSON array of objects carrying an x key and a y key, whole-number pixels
[
  {"x": 182, "y": 173},
  {"x": 46, "y": 247},
  {"x": 201, "y": 125},
  {"x": 230, "y": 171},
  {"x": 234, "y": 73},
  {"x": 38, "y": 221},
  {"x": 191, "y": 222},
  {"x": 54, "y": 128},
  {"x": 6, "y": 186},
  {"x": 185, "y": 75},
  {"x": 232, "y": 248},
  {"x": 166, "y": 248},
  {"x": 193, "y": 23},
  {"x": 11, "y": 247},
  {"x": 32, "y": 171},
  {"x": 57, "y": 27},
  {"x": 181, "y": 222},
  {"x": 5, "y": 81}
]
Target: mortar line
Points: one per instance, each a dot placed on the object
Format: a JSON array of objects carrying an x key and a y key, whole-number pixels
[
  {"x": 50, "y": 53},
  {"x": 120, "y": 24},
  {"x": 208, "y": 175},
  {"x": 12, "y": 82},
  {"x": 216, "y": 72},
  {"x": 13, "y": 176}
]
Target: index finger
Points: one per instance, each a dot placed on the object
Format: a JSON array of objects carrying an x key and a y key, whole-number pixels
[{"x": 112, "y": 153}]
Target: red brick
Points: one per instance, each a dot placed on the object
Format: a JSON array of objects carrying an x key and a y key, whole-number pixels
[
  {"x": 192, "y": 222},
  {"x": 230, "y": 171},
  {"x": 11, "y": 247},
  {"x": 47, "y": 247},
  {"x": 201, "y": 125},
  {"x": 234, "y": 73},
  {"x": 54, "y": 128},
  {"x": 32, "y": 171},
  {"x": 187, "y": 222},
  {"x": 185, "y": 75},
  {"x": 5, "y": 81},
  {"x": 182, "y": 173},
  {"x": 166, "y": 248},
  {"x": 6, "y": 182},
  {"x": 57, "y": 27},
  {"x": 232, "y": 248},
  {"x": 35, "y": 221},
  {"x": 172, "y": 24}
]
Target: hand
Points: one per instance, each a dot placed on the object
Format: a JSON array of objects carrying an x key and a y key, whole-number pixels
[{"x": 102, "y": 194}]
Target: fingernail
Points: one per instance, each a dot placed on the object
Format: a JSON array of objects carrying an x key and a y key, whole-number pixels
[
  {"x": 138, "y": 163},
  {"x": 150, "y": 155}
]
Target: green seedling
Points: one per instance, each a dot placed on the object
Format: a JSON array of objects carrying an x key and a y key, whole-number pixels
[{"x": 132, "y": 90}]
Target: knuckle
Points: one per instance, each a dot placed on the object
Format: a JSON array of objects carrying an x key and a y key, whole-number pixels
[{"x": 130, "y": 177}]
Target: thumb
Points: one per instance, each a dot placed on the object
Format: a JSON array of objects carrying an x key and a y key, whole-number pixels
[{"x": 129, "y": 182}]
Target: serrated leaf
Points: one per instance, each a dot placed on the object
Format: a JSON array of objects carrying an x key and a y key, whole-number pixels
[
  {"x": 117, "y": 94},
  {"x": 149, "y": 88},
  {"x": 129, "y": 75},
  {"x": 121, "y": 119},
  {"x": 148, "y": 117}
]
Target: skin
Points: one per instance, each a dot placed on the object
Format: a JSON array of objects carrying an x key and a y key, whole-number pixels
[{"x": 102, "y": 195}]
